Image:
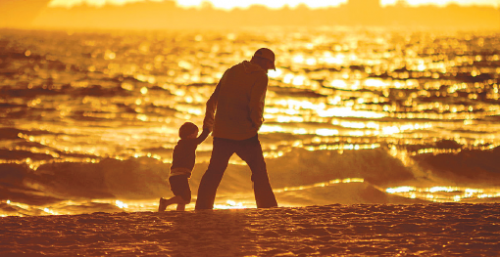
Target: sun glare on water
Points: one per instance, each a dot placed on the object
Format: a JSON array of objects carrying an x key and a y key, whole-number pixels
[
  {"x": 445, "y": 194},
  {"x": 225, "y": 4},
  {"x": 230, "y": 204},
  {"x": 121, "y": 102}
]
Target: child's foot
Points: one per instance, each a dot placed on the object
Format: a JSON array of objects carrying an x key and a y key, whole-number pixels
[{"x": 163, "y": 205}]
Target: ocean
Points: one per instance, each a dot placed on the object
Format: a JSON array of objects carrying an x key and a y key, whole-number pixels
[{"x": 88, "y": 119}]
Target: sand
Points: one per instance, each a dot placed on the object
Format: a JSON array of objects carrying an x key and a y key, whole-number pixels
[{"x": 332, "y": 230}]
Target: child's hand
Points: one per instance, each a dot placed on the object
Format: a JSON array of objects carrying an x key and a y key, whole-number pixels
[{"x": 204, "y": 134}]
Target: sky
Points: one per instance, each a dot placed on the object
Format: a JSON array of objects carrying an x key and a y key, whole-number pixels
[{"x": 228, "y": 4}]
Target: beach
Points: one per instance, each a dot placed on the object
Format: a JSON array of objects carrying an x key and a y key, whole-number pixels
[
  {"x": 435, "y": 229},
  {"x": 378, "y": 142}
]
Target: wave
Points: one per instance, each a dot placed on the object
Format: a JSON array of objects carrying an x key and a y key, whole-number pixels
[
  {"x": 468, "y": 167},
  {"x": 342, "y": 193},
  {"x": 147, "y": 178}
]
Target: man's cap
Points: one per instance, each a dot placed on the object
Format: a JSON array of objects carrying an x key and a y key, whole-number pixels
[{"x": 266, "y": 54}]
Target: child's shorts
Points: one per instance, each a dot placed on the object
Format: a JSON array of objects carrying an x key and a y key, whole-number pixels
[{"x": 180, "y": 187}]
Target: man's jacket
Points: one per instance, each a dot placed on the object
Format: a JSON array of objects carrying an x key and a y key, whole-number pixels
[{"x": 236, "y": 108}]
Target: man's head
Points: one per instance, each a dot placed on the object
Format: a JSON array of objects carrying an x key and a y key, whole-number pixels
[
  {"x": 188, "y": 130},
  {"x": 265, "y": 58}
]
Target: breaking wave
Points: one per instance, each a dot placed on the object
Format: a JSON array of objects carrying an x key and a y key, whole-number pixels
[{"x": 298, "y": 178}]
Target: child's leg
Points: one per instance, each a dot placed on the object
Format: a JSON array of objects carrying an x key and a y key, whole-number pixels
[
  {"x": 164, "y": 203},
  {"x": 180, "y": 187},
  {"x": 181, "y": 206},
  {"x": 176, "y": 199},
  {"x": 162, "y": 206}
]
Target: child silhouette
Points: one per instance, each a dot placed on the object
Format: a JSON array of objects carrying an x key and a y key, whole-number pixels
[{"x": 183, "y": 161}]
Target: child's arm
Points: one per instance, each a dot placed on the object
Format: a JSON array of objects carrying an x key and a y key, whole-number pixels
[{"x": 203, "y": 136}]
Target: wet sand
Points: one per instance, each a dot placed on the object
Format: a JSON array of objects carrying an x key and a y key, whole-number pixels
[{"x": 437, "y": 229}]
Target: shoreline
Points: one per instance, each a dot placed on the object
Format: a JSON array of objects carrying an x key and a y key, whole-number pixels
[{"x": 449, "y": 229}]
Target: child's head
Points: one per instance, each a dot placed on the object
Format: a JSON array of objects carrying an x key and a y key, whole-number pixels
[{"x": 187, "y": 130}]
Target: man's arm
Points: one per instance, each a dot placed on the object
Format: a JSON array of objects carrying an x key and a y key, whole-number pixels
[
  {"x": 208, "y": 122},
  {"x": 257, "y": 101}
]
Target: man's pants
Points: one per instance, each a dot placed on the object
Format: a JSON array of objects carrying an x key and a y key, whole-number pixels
[{"x": 248, "y": 150}]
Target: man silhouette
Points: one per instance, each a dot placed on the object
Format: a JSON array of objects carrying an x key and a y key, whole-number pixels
[{"x": 235, "y": 114}]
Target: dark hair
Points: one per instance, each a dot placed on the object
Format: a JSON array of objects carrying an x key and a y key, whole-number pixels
[{"x": 187, "y": 129}]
